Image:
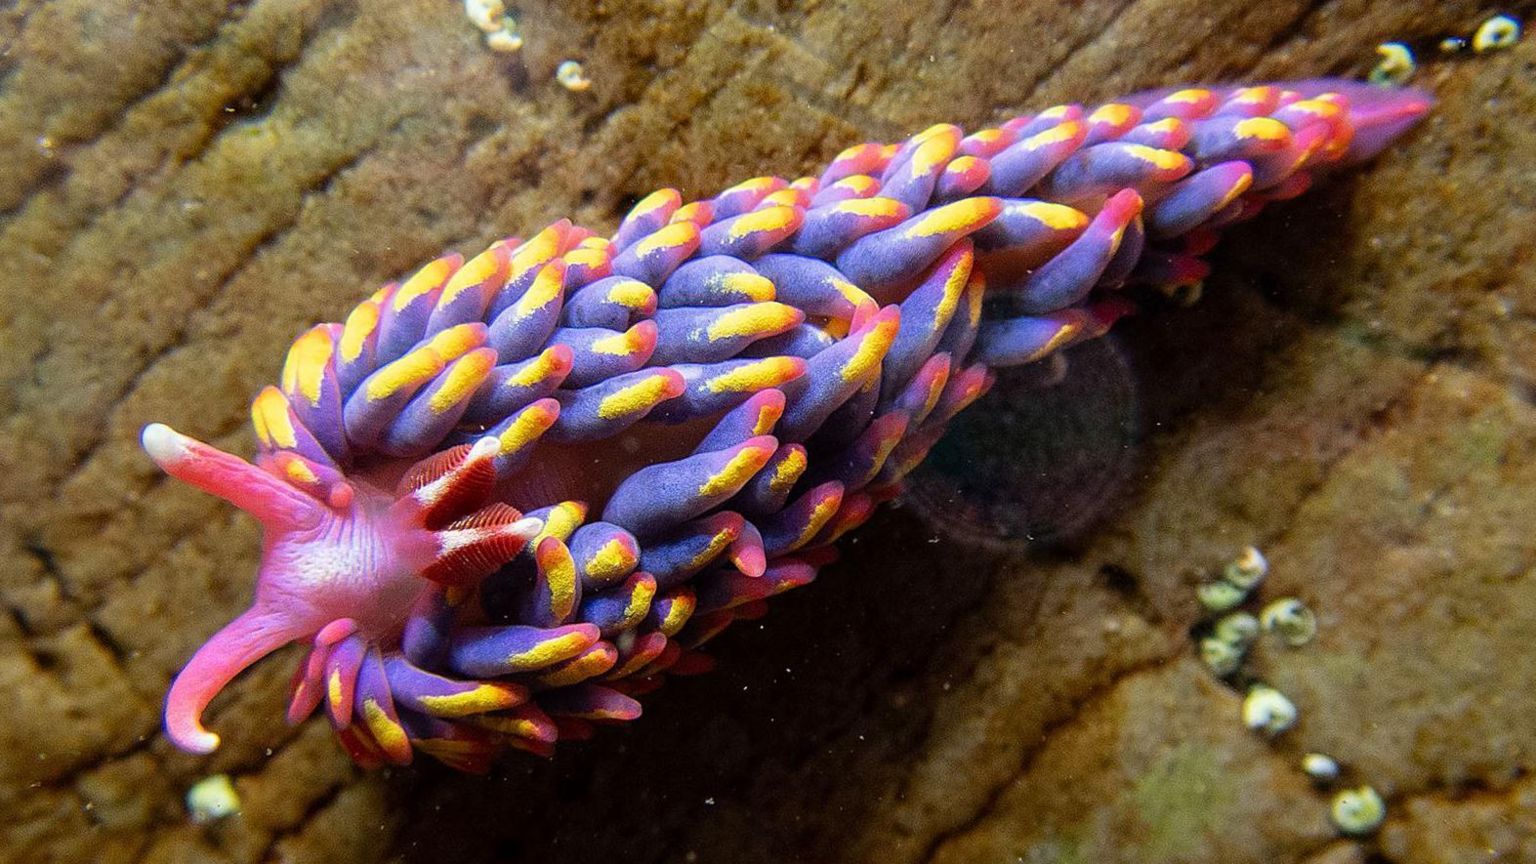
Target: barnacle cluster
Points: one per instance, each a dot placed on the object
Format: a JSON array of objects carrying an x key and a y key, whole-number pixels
[
  {"x": 1224, "y": 642},
  {"x": 500, "y": 28}
]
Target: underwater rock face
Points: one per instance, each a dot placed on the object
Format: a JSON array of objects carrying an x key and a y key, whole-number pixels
[{"x": 188, "y": 192}]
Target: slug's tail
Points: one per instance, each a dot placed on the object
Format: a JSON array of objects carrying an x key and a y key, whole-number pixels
[{"x": 1135, "y": 192}]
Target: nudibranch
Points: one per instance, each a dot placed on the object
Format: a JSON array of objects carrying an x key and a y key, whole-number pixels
[{"x": 508, "y": 496}]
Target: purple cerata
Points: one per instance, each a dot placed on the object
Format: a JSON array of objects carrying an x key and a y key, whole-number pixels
[{"x": 508, "y": 496}]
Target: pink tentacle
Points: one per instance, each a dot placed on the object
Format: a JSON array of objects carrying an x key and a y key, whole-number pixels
[{"x": 256, "y": 633}]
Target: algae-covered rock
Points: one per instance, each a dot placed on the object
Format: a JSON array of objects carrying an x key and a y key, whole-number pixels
[{"x": 187, "y": 185}]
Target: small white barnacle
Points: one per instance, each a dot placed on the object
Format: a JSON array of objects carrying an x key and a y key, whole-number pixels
[
  {"x": 572, "y": 76},
  {"x": 485, "y": 14},
  {"x": 1183, "y": 293},
  {"x": 506, "y": 40},
  {"x": 1290, "y": 619},
  {"x": 1358, "y": 811},
  {"x": 1500, "y": 31},
  {"x": 1452, "y": 45},
  {"x": 1267, "y": 710},
  {"x": 212, "y": 798},
  {"x": 1236, "y": 628},
  {"x": 1395, "y": 67},
  {"x": 1222, "y": 658},
  {"x": 1320, "y": 767},
  {"x": 1247, "y": 570},
  {"x": 1220, "y": 595}
]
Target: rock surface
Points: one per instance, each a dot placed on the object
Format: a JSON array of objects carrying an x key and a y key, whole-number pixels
[{"x": 188, "y": 184}]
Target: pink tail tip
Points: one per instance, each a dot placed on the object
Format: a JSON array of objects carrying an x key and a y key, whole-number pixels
[{"x": 1379, "y": 115}]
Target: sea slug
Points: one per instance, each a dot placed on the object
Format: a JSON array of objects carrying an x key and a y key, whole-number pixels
[{"x": 509, "y": 495}]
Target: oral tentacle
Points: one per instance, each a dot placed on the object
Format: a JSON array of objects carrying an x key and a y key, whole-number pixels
[
  {"x": 253, "y": 635},
  {"x": 275, "y": 504}
]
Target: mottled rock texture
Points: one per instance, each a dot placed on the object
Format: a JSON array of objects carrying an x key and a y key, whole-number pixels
[{"x": 186, "y": 185}]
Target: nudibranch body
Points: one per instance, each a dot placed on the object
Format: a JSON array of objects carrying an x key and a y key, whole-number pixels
[{"x": 509, "y": 495}]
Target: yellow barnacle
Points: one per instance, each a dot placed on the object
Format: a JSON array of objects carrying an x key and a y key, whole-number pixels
[
  {"x": 360, "y": 325},
  {"x": 757, "y": 319},
  {"x": 410, "y": 371},
  {"x": 1057, "y": 217},
  {"x": 766, "y": 219},
  {"x": 1500, "y": 31},
  {"x": 761, "y": 375},
  {"x": 1395, "y": 67},
  {"x": 1263, "y": 128},
  {"x": 572, "y": 76},
  {"x": 462, "y": 380},
  {"x": 965, "y": 215},
  {"x": 269, "y": 414},
  {"x": 635, "y": 398},
  {"x": 425, "y": 281},
  {"x": 737, "y": 471},
  {"x": 307, "y": 360}
]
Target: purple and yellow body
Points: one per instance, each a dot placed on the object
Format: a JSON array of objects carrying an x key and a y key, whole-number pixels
[{"x": 508, "y": 496}]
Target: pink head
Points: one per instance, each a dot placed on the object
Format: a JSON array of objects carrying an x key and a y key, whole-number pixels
[{"x": 333, "y": 550}]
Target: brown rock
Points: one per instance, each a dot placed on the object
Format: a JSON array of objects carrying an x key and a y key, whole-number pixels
[{"x": 188, "y": 185}]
